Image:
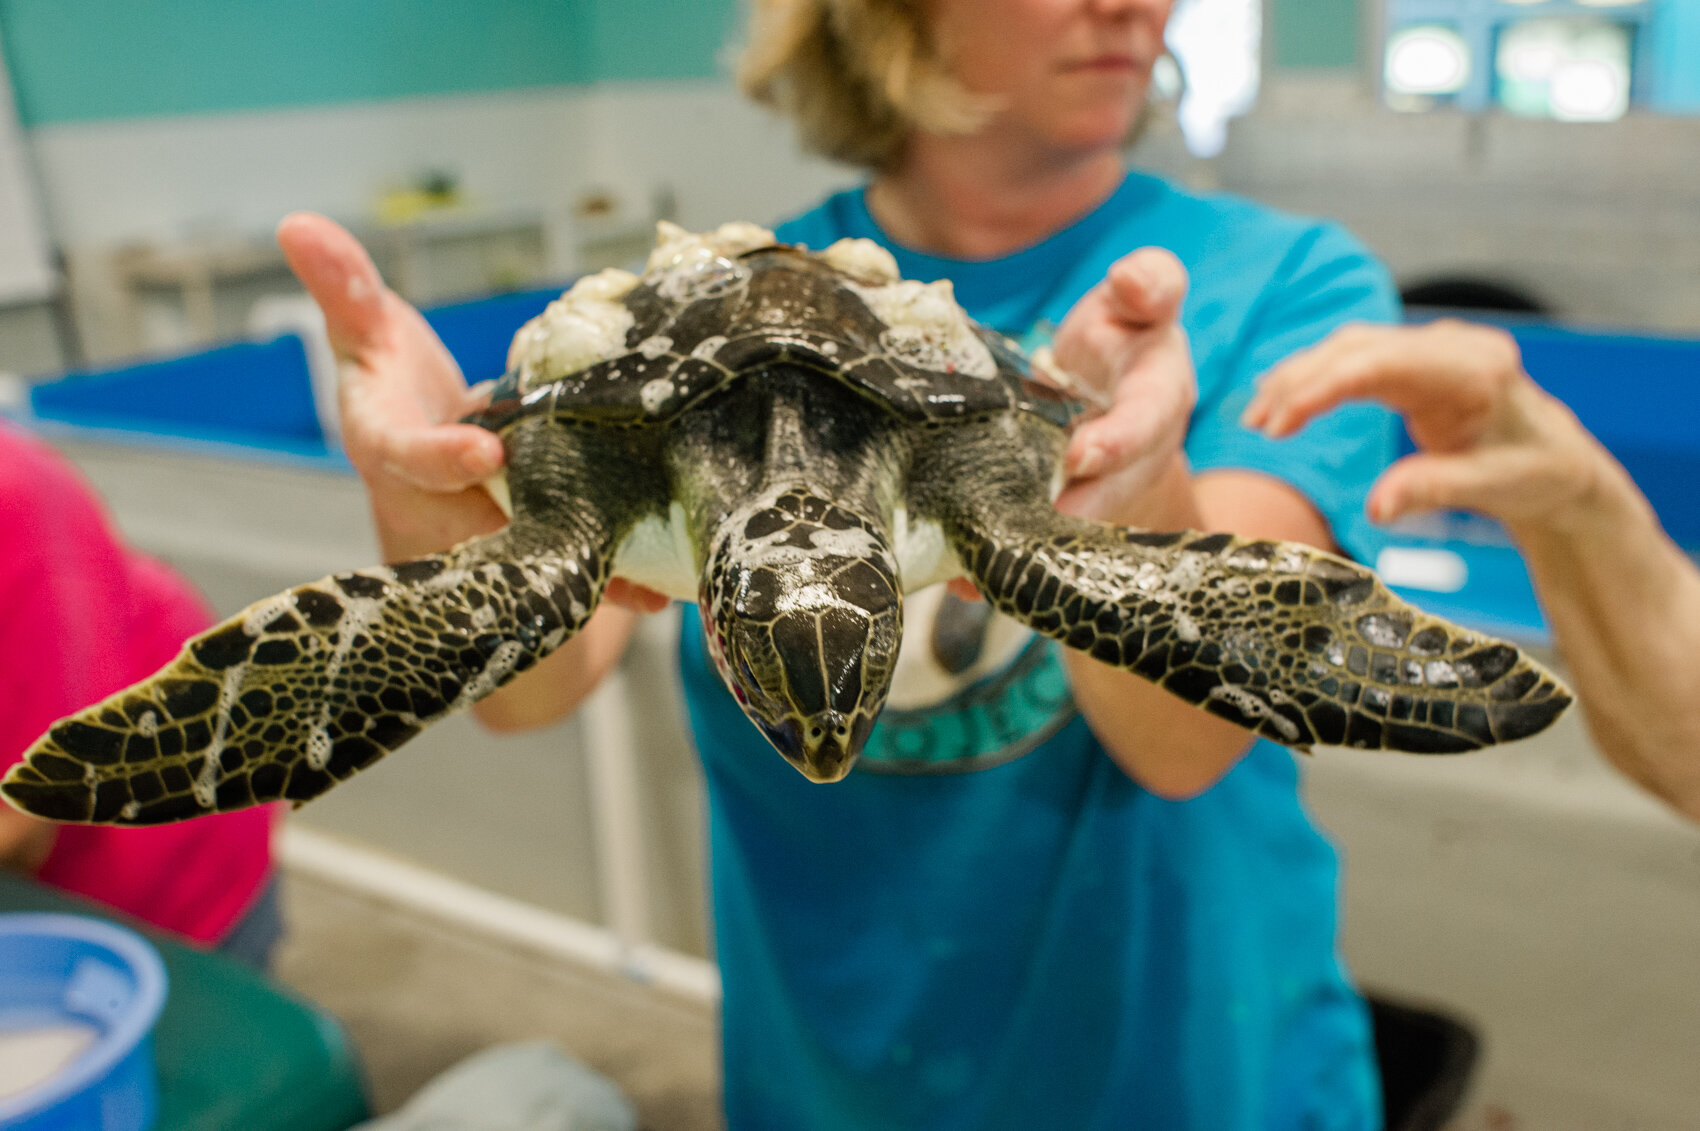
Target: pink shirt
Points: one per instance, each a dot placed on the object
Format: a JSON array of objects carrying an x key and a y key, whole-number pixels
[{"x": 82, "y": 616}]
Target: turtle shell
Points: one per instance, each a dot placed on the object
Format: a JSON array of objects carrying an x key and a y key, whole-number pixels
[{"x": 630, "y": 351}]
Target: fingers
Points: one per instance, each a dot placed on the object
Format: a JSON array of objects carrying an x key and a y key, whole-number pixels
[
  {"x": 1506, "y": 482},
  {"x": 1138, "y": 300},
  {"x": 1154, "y": 398},
  {"x": 1427, "y": 482},
  {"x": 1442, "y": 369},
  {"x": 1354, "y": 363},
  {"x": 442, "y": 457},
  {"x": 1153, "y": 403},
  {"x": 1126, "y": 337},
  {"x": 1147, "y": 287},
  {"x": 340, "y": 276},
  {"x": 401, "y": 391},
  {"x": 638, "y": 598}
]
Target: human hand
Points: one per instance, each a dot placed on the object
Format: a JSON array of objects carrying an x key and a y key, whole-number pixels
[
  {"x": 25, "y": 842},
  {"x": 1489, "y": 439},
  {"x": 401, "y": 398},
  {"x": 1125, "y": 340},
  {"x": 400, "y": 395}
]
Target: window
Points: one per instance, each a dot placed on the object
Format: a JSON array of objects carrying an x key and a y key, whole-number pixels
[
  {"x": 1571, "y": 60},
  {"x": 1216, "y": 45},
  {"x": 1570, "y": 69}
]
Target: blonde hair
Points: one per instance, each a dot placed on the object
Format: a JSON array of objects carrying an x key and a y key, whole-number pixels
[{"x": 857, "y": 76}]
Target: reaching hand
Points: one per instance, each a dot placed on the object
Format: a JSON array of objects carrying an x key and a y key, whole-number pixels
[
  {"x": 401, "y": 397},
  {"x": 1489, "y": 438},
  {"x": 1124, "y": 338}
]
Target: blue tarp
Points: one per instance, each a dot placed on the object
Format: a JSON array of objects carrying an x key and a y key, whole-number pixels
[
  {"x": 254, "y": 393},
  {"x": 1640, "y": 395},
  {"x": 256, "y": 396}
]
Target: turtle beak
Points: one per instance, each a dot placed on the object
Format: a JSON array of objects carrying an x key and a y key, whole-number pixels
[
  {"x": 803, "y": 616},
  {"x": 815, "y": 712},
  {"x": 822, "y": 748}
]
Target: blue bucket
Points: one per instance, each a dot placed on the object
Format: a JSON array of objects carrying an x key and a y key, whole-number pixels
[{"x": 64, "y": 973}]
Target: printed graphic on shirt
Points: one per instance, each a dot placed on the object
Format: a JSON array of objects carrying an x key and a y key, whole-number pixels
[{"x": 972, "y": 689}]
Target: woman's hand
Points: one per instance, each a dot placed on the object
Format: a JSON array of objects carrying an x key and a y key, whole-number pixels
[
  {"x": 1623, "y": 602},
  {"x": 1489, "y": 438},
  {"x": 24, "y": 842},
  {"x": 401, "y": 397},
  {"x": 1124, "y": 339}
]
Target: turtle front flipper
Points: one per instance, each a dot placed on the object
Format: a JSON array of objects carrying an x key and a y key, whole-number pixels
[
  {"x": 1298, "y": 645},
  {"x": 304, "y": 689}
]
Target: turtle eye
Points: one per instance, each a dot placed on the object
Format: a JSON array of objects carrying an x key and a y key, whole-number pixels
[
  {"x": 752, "y": 686},
  {"x": 785, "y": 735}
]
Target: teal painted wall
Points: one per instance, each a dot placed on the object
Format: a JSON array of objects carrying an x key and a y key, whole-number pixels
[
  {"x": 99, "y": 60},
  {"x": 91, "y": 60},
  {"x": 1309, "y": 34},
  {"x": 636, "y": 40},
  {"x": 102, "y": 60}
]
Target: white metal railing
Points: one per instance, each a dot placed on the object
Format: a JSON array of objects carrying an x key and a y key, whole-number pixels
[{"x": 390, "y": 880}]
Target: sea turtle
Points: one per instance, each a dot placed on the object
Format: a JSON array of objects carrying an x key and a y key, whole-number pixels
[{"x": 793, "y": 440}]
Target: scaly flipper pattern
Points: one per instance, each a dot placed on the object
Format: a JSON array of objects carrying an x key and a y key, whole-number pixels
[
  {"x": 1298, "y": 645},
  {"x": 304, "y": 689}
]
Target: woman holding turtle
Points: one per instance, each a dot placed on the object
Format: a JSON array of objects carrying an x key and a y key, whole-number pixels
[{"x": 1051, "y": 895}]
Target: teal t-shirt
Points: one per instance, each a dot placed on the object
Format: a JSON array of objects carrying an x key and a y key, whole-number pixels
[{"x": 988, "y": 925}]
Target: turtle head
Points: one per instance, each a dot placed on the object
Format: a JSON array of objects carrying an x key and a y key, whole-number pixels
[{"x": 803, "y": 619}]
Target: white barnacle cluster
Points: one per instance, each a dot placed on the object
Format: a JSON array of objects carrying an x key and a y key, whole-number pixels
[
  {"x": 656, "y": 393},
  {"x": 496, "y": 669},
  {"x": 864, "y": 259},
  {"x": 586, "y": 325},
  {"x": 1047, "y": 369},
  {"x": 926, "y": 328},
  {"x": 687, "y": 266},
  {"x": 673, "y": 243},
  {"x": 1252, "y": 707}
]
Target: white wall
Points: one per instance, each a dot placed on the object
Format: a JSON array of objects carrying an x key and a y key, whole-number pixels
[
  {"x": 1601, "y": 220},
  {"x": 174, "y": 178},
  {"x": 231, "y": 177},
  {"x": 26, "y": 272},
  {"x": 726, "y": 158},
  {"x": 1604, "y": 221}
]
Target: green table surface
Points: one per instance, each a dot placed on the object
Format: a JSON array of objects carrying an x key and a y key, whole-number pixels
[{"x": 235, "y": 1051}]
